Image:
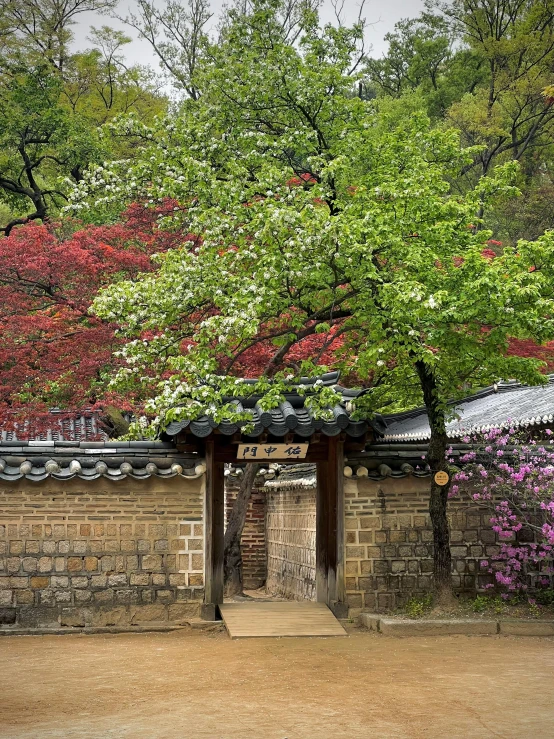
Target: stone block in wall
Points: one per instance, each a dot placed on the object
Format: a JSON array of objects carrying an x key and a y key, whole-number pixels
[
  {"x": 397, "y": 537},
  {"x": 369, "y": 522},
  {"x": 126, "y": 595},
  {"x": 157, "y": 612},
  {"x": 183, "y": 611},
  {"x": 385, "y": 601},
  {"x": 76, "y": 617},
  {"x": 381, "y": 566},
  {"x": 117, "y": 580},
  {"x": 426, "y": 565},
  {"x": 152, "y": 562},
  {"x": 7, "y": 616},
  {"x": 364, "y": 537},
  {"x": 111, "y": 616},
  {"x": 398, "y": 566},
  {"x": 24, "y": 597},
  {"x": 29, "y": 564},
  {"x": 33, "y": 617},
  {"x": 487, "y": 536},
  {"x": 165, "y": 596},
  {"x": 352, "y": 567},
  {"x": 103, "y": 596},
  {"x": 13, "y": 565},
  {"x": 45, "y": 564},
  {"x": 458, "y": 551},
  {"x": 6, "y": 597}
]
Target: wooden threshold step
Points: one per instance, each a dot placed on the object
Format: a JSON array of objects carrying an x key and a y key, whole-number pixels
[{"x": 289, "y": 618}]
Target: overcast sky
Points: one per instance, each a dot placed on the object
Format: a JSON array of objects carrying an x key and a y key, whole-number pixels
[{"x": 381, "y": 15}]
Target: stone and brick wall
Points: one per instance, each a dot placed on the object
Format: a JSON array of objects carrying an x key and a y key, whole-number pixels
[
  {"x": 290, "y": 526},
  {"x": 101, "y": 553},
  {"x": 253, "y": 545},
  {"x": 389, "y": 543}
]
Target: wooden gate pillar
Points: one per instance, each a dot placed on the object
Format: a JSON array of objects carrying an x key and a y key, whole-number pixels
[
  {"x": 330, "y": 529},
  {"x": 214, "y": 529}
]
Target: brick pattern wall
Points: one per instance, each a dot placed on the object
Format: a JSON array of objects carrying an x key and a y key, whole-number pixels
[
  {"x": 290, "y": 527},
  {"x": 100, "y": 553},
  {"x": 389, "y": 543},
  {"x": 253, "y": 545}
]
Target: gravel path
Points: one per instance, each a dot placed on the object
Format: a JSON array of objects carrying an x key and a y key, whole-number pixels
[{"x": 185, "y": 685}]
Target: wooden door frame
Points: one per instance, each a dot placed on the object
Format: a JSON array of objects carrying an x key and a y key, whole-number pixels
[{"x": 330, "y": 585}]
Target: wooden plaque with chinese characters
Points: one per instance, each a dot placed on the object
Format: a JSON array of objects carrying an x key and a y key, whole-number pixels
[{"x": 259, "y": 452}]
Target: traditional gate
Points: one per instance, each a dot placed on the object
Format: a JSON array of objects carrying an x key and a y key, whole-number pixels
[{"x": 285, "y": 434}]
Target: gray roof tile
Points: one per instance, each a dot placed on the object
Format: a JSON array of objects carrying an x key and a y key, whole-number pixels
[{"x": 507, "y": 404}]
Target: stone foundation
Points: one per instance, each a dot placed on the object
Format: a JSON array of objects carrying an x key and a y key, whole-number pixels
[
  {"x": 290, "y": 527},
  {"x": 100, "y": 553}
]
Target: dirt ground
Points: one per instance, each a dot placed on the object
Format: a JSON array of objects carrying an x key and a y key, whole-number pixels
[{"x": 185, "y": 685}]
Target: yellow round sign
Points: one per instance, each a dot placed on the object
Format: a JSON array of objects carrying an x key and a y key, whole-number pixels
[{"x": 441, "y": 477}]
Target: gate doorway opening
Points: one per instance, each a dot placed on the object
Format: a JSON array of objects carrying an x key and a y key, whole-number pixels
[
  {"x": 278, "y": 542},
  {"x": 327, "y": 587}
]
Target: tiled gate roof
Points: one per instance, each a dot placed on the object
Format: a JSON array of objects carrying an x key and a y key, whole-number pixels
[{"x": 290, "y": 416}]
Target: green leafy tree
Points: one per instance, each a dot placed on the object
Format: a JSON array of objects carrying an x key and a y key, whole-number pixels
[
  {"x": 39, "y": 31},
  {"x": 425, "y": 54},
  {"x": 177, "y": 33},
  {"x": 53, "y": 103},
  {"x": 318, "y": 212}
]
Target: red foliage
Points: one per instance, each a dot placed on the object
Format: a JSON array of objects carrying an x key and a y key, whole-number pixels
[
  {"x": 321, "y": 348},
  {"x": 48, "y": 281},
  {"x": 528, "y": 348},
  {"x": 303, "y": 179}
]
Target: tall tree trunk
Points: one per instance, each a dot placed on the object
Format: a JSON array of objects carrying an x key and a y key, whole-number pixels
[
  {"x": 232, "y": 555},
  {"x": 437, "y": 460}
]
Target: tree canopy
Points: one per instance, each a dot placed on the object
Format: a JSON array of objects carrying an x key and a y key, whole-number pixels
[{"x": 53, "y": 103}]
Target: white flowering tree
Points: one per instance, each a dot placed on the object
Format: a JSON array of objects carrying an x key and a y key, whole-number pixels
[{"x": 325, "y": 226}]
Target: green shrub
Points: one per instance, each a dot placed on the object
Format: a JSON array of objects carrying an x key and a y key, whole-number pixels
[
  {"x": 480, "y": 604},
  {"x": 418, "y": 606},
  {"x": 545, "y": 597}
]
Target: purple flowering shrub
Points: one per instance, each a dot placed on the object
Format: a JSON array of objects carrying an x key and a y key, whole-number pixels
[{"x": 512, "y": 476}]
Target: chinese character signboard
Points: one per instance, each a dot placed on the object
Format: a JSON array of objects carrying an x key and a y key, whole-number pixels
[{"x": 272, "y": 451}]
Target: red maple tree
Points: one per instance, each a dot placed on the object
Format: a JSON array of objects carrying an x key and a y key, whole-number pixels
[{"x": 52, "y": 350}]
